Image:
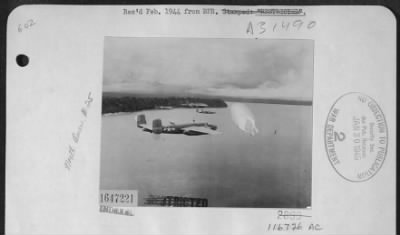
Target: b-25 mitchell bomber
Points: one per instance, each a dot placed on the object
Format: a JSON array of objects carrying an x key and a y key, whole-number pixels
[
  {"x": 205, "y": 111},
  {"x": 191, "y": 129}
]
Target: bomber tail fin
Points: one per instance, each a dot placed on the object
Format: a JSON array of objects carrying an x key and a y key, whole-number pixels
[
  {"x": 157, "y": 126},
  {"x": 141, "y": 120}
]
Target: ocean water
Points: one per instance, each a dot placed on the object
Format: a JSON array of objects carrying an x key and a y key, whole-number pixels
[{"x": 271, "y": 169}]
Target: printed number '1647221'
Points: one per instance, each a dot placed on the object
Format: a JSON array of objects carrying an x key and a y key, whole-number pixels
[{"x": 124, "y": 198}]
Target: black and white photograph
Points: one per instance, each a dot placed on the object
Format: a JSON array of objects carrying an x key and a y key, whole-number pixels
[
  {"x": 201, "y": 119},
  {"x": 208, "y": 122}
]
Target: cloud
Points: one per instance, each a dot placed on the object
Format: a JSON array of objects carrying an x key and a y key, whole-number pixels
[{"x": 241, "y": 67}]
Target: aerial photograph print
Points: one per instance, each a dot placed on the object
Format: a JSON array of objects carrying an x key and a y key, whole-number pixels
[{"x": 208, "y": 122}]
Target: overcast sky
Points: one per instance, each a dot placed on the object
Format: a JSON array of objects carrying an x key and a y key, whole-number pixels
[{"x": 246, "y": 68}]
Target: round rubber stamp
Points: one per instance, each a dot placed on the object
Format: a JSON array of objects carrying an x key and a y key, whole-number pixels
[{"x": 356, "y": 137}]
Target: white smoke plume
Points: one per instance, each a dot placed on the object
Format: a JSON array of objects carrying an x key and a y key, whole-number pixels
[{"x": 243, "y": 118}]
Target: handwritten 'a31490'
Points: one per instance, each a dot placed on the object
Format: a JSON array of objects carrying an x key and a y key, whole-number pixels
[{"x": 261, "y": 27}]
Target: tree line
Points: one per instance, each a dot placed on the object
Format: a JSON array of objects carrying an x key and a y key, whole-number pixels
[{"x": 134, "y": 104}]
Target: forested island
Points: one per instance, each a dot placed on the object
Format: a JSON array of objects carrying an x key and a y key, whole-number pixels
[{"x": 116, "y": 104}]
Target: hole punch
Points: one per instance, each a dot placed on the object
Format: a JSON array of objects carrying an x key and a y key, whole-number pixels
[{"x": 22, "y": 60}]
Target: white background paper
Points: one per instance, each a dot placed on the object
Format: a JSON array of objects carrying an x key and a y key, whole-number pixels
[{"x": 354, "y": 51}]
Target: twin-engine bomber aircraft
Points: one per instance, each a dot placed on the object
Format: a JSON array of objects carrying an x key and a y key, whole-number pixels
[{"x": 201, "y": 128}]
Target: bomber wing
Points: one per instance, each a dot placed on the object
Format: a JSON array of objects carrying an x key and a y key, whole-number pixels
[{"x": 193, "y": 130}]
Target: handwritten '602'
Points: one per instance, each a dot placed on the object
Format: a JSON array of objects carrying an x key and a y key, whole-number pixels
[{"x": 260, "y": 27}]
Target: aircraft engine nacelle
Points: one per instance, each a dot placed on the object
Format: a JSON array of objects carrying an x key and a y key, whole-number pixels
[
  {"x": 141, "y": 120},
  {"x": 157, "y": 126}
]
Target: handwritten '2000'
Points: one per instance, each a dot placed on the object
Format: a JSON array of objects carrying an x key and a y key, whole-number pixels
[{"x": 263, "y": 26}]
